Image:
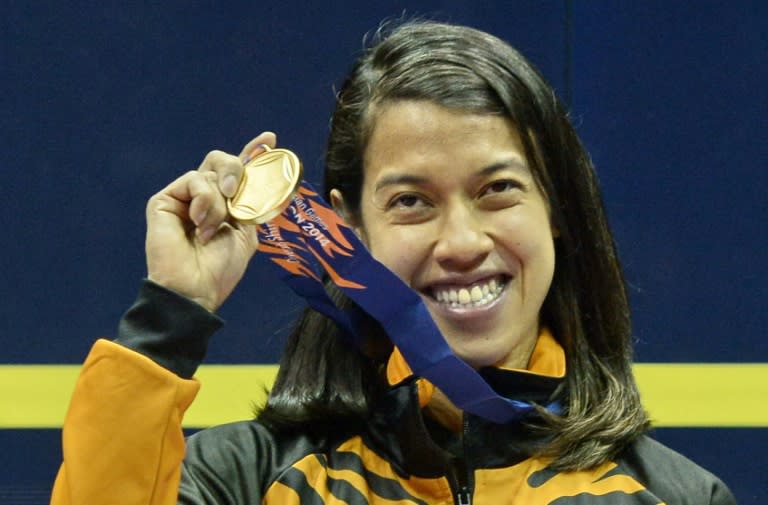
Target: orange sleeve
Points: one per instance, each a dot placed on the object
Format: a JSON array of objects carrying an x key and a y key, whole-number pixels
[{"x": 122, "y": 434}]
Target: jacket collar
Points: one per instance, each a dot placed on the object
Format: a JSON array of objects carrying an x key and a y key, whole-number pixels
[
  {"x": 427, "y": 445},
  {"x": 547, "y": 361}
]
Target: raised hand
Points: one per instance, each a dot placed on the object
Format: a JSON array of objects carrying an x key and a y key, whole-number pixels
[{"x": 192, "y": 245}]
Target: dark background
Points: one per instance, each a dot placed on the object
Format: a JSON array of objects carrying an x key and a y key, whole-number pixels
[{"x": 102, "y": 104}]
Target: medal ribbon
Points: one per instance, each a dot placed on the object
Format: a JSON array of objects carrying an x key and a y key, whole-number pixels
[{"x": 309, "y": 238}]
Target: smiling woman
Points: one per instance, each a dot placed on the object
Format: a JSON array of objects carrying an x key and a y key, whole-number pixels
[
  {"x": 453, "y": 161},
  {"x": 471, "y": 102},
  {"x": 462, "y": 222}
]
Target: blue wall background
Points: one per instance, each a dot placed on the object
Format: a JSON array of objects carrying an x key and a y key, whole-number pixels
[{"x": 104, "y": 103}]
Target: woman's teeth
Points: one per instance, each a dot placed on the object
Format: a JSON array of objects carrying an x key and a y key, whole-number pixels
[{"x": 479, "y": 294}]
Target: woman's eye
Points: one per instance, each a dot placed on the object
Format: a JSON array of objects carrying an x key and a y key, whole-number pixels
[
  {"x": 405, "y": 201},
  {"x": 501, "y": 187},
  {"x": 409, "y": 208},
  {"x": 501, "y": 194}
]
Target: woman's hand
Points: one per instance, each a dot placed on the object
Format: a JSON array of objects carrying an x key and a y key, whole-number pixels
[{"x": 192, "y": 246}]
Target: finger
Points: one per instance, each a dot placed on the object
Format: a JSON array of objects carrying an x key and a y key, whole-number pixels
[
  {"x": 228, "y": 169},
  {"x": 195, "y": 199},
  {"x": 208, "y": 208},
  {"x": 255, "y": 146},
  {"x": 179, "y": 194}
]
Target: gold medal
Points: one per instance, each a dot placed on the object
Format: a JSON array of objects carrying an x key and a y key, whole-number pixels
[{"x": 268, "y": 184}]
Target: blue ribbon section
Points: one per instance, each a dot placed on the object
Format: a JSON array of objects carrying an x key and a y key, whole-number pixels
[{"x": 309, "y": 239}]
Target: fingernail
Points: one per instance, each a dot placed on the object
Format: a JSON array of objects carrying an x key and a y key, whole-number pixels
[
  {"x": 200, "y": 217},
  {"x": 229, "y": 185},
  {"x": 205, "y": 234},
  {"x": 256, "y": 151}
]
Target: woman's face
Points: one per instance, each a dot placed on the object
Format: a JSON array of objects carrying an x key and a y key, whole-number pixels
[{"x": 450, "y": 206}]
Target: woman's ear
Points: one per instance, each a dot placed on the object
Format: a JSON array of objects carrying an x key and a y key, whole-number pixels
[{"x": 337, "y": 201}]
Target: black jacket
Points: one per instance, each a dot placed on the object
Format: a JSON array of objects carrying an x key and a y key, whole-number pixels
[{"x": 399, "y": 457}]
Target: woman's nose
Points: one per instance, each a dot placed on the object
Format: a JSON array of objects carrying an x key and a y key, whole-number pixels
[{"x": 463, "y": 242}]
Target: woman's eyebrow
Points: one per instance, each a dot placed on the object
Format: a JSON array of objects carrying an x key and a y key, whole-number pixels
[
  {"x": 406, "y": 178},
  {"x": 395, "y": 179},
  {"x": 511, "y": 163}
]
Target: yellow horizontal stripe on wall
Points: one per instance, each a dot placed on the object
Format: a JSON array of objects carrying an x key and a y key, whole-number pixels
[
  {"x": 676, "y": 395},
  {"x": 705, "y": 394}
]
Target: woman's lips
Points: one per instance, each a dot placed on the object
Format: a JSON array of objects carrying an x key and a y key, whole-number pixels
[{"x": 465, "y": 299}]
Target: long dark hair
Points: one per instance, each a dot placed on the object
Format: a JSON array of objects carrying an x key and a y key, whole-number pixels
[{"x": 586, "y": 308}]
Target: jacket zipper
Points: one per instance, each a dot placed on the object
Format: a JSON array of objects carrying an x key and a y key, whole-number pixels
[
  {"x": 463, "y": 493},
  {"x": 463, "y": 496},
  {"x": 462, "y": 475}
]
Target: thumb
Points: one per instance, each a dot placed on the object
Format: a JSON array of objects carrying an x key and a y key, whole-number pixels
[{"x": 254, "y": 147}]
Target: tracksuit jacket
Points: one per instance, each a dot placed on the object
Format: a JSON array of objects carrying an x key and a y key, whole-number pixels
[{"x": 123, "y": 442}]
